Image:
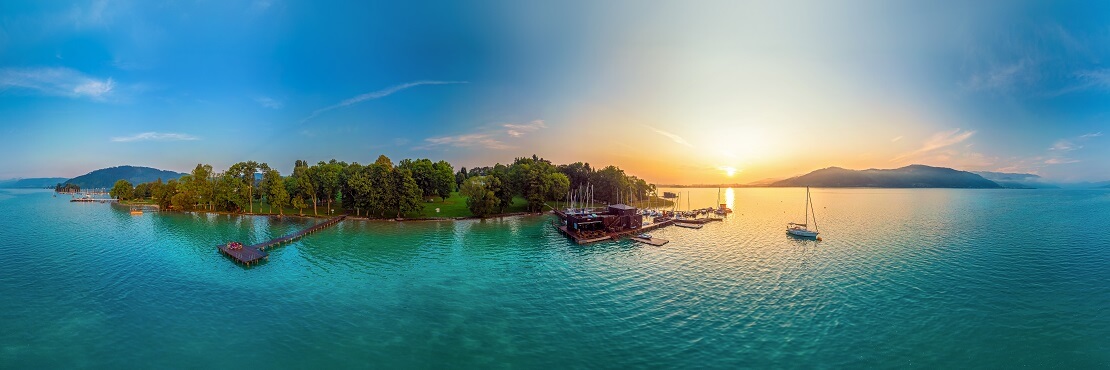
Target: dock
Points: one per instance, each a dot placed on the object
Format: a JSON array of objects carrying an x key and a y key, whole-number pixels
[
  {"x": 93, "y": 200},
  {"x": 611, "y": 235},
  {"x": 253, "y": 254},
  {"x": 689, "y": 225},
  {"x": 653, "y": 241}
]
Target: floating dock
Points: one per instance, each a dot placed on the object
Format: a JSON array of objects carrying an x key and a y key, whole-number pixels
[
  {"x": 252, "y": 254},
  {"x": 612, "y": 235},
  {"x": 93, "y": 200},
  {"x": 689, "y": 225},
  {"x": 653, "y": 241}
]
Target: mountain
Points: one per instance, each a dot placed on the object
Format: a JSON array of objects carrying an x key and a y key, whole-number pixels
[
  {"x": 913, "y": 176},
  {"x": 107, "y": 177},
  {"x": 32, "y": 183},
  {"x": 1016, "y": 180}
]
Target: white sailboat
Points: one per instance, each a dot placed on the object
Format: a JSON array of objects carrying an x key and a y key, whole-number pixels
[{"x": 802, "y": 229}]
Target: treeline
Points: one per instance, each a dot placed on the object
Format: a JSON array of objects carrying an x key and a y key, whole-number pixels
[
  {"x": 537, "y": 179},
  {"x": 67, "y": 188},
  {"x": 382, "y": 188}
]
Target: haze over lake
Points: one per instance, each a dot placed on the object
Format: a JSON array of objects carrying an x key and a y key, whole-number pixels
[{"x": 904, "y": 277}]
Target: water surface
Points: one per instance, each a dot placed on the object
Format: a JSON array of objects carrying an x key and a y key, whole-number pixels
[{"x": 918, "y": 278}]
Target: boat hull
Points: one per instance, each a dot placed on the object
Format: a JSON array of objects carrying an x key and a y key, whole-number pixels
[{"x": 803, "y": 233}]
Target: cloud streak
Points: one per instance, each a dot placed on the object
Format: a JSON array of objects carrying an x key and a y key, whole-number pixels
[
  {"x": 674, "y": 137},
  {"x": 268, "y": 102},
  {"x": 154, "y": 136},
  {"x": 378, "y": 95},
  {"x": 57, "y": 82},
  {"x": 488, "y": 138},
  {"x": 518, "y": 130},
  {"x": 938, "y": 141}
]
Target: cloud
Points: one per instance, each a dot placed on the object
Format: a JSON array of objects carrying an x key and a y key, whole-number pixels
[
  {"x": 677, "y": 139},
  {"x": 1090, "y": 135},
  {"x": 1060, "y": 161},
  {"x": 518, "y": 130},
  {"x": 57, "y": 82},
  {"x": 155, "y": 136},
  {"x": 1003, "y": 77},
  {"x": 938, "y": 141},
  {"x": 488, "y": 137},
  {"x": 1064, "y": 146},
  {"x": 268, "y": 102},
  {"x": 377, "y": 95},
  {"x": 896, "y": 139},
  {"x": 466, "y": 141}
]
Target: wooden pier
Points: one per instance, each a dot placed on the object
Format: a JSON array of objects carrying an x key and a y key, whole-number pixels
[{"x": 253, "y": 254}]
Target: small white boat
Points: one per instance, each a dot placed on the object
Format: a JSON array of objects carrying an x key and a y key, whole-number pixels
[
  {"x": 802, "y": 229},
  {"x": 644, "y": 236}
]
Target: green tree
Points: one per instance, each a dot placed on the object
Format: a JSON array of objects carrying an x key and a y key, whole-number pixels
[
  {"x": 480, "y": 198},
  {"x": 278, "y": 196},
  {"x": 460, "y": 177},
  {"x": 325, "y": 176},
  {"x": 298, "y": 203},
  {"x": 443, "y": 180},
  {"x": 245, "y": 171},
  {"x": 405, "y": 195},
  {"x": 122, "y": 190},
  {"x": 303, "y": 185},
  {"x": 201, "y": 185}
]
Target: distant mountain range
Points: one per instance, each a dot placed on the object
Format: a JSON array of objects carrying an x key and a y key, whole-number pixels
[
  {"x": 913, "y": 176},
  {"x": 1017, "y": 180},
  {"x": 107, "y": 177},
  {"x": 32, "y": 183}
]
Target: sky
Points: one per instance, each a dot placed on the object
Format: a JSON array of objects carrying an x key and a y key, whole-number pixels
[{"x": 671, "y": 91}]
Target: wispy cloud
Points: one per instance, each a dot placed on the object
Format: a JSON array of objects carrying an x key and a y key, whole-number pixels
[
  {"x": 896, "y": 139},
  {"x": 1003, "y": 77},
  {"x": 465, "y": 141},
  {"x": 378, "y": 95},
  {"x": 938, "y": 141},
  {"x": 1060, "y": 161},
  {"x": 155, "y": 136},
  {"x": 1090, "y": 135},
  {"x": 268, "y": 102},
  {"x": 677, "y": 139},
  {"x": 494, "y": 137},
  {"x": 56, "y": 82},
  {"x": 1064, "y": 146},
  {"x": 518, "y": 130}
]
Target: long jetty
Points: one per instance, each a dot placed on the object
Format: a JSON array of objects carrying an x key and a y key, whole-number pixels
[{"x": 253, "y": 254}]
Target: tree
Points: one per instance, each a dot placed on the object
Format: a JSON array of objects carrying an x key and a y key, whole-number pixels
[
  {"x": 122, "y": 190},
  {"x": 480, "y": 198},
  {"x": 443, "y": 179},
  {"x": 303, "y": 186},
  {"x": 163, "y": 193},
  {"x": 201, "y": 185},
  {"x": 246, "y": 171},
  {"x": 298, "y": 203},
  {"x": 278, "y": 196},
  {"x": 560, "y": 184},
  {"x": 405, "y": 195},
  {"x": 325, "y": 176},
  {"x": 460, "y": 177}
]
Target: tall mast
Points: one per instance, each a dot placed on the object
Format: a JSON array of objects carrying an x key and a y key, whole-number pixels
[{"x": 807, "y": 205}]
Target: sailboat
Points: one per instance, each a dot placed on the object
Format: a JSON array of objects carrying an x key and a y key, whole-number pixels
[{"x": 802, "y": 229}]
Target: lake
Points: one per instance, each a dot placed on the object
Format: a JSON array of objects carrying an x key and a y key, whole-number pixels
[{"x": 922, "y": 278}]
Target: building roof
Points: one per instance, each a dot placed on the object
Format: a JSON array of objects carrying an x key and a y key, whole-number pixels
[{"x": 621, "y": 206}]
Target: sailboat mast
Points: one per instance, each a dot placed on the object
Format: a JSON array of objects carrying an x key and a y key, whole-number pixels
[{"x": 807, "y": 205}]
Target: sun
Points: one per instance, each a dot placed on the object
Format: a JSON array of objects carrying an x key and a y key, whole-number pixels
[{"x": 729, "y": 171}]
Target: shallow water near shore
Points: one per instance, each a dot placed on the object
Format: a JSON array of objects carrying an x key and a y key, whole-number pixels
[{"x": 903, "y": 278}]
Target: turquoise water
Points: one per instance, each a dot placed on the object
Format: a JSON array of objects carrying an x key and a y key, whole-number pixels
[{"x": 903, "y": 278}]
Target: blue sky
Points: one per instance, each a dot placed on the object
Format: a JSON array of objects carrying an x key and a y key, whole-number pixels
[{"x": 672, "y": 91}]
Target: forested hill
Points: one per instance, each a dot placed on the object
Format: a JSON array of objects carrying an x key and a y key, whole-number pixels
[
  {"x": 107, "y": 177},
  {"x": 913, "y": 176},
  {"x": 31, "y": 183}
]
